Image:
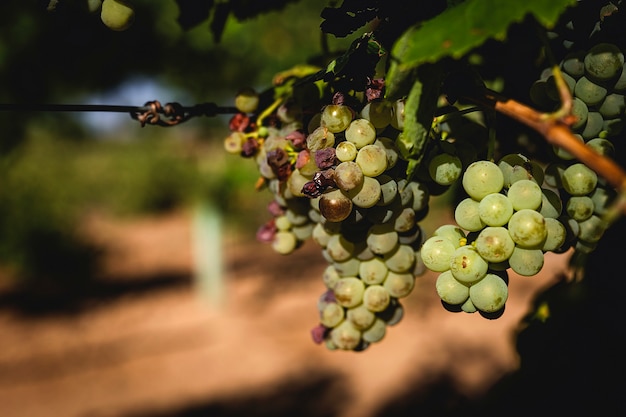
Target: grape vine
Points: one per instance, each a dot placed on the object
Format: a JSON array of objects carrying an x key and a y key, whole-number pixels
[{"x": 353, "y": 152}]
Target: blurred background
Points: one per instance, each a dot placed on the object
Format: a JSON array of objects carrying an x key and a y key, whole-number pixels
[{"x": 131, "y": 283}]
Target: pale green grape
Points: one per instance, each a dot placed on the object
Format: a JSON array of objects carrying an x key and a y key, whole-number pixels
[
  {"x": 336, "y": 117},
  {"x": 320, "y": 138},
  {"x": 378, "y": 112},
  {"x": 399, "y": 285},
  {"x": 360, "y": 316},
  {"x": 247, "y": 100},
  {"x": 367, "y": 195},
  {"x": 335, "y": 206},
  {"x": 602, "y": 199},
  {"x": 482, "y": 178},
  {"x": 551, "y": 204},
  {"x": 282, "y": 223},
  {"x": 525, "y": 194},
  {"x": 436, "y": 253},
  {"x": 604, "y": 61},
  {"x": 592, "y": 229},
  {"x": 321, "y": 234},
  {"x": 397, "y": 113},
  {"x": 330, "y": 277},
  {"x": 450, "y": 290},
  {"x": 339, "y": 248},
  {"x": 467, "y": 266},
  {"x": 348, "y": 176},
  {"x": 529, "y": 171},
  {"x": 495, "y": 244},
  {"x": 554, "y": 175},
  {"x": 527, "y": 228},
  {"x": 382, "y": 238},
  {"x": 579, "y": 208},
  {"x": 391, "y": 150},
  {"x": 332, "y": 314},
  {"x": 373, "y": 271},
  {"x": 361, "y": 132},
  {"x": 376, "y": 332},
  {"x": 345, "y": 151},
  {"x": 579, "y": 180},
  {"x": 466, "y": 215},
  {"x": 117, "y": 15},
  {"x": 405, "y": 220},
  {"x": 372, "y": 160},
  {"x": 295, "y": 182},
  {"x": 415, "y": 195},
  {"x": 593, "y": 127},
  {"x": 614, "y": 105},
  {"x": 506, "y": 165},
  {"x": 556, "y": 234},
  {"x": 526, "y": 262},
  {"x": 234, "y": 142},
  {"x": 489, "y": 294},
  {"x": 400, "y": 259},
  {"x": 468, "y": 306},
  {"x": 451, "y": 232},
  {"x": 349, "y": 291},
  {"x": 388, "y": 189},
  {"x": 495, "y": 209},
  {"x": 345, "y": 336},
  {"x": 602, "y": 146},
  {"x": 445, "y": 169},
  {"x": 580, "y": 111},
  {"x": 574, "y": 63},
  {"x": 284, "y": 242},
  {"x": 589, "y": 92},
  {"x": 376, "y": 298},
  {"x": 348, "y": 268}
]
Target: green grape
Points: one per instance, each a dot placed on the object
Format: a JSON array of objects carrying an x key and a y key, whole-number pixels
[
  {"x": 397, "y": 114},
  {"x": 565, "y": 155},
  {"x": 579, "y": 180},
  {"x": 361, "y": 132},
  {"x": 574, "y": 63},
  {"x": 495, "y": 209},
  {"x": 382, "y": 238},
  {"x": 614, "y": 105},
  {"x": 603, "y": 146},
  {"x": 468, "y": 306},
  {"x": 466, "y": 215},
  {"x": 526, "y": 262},
  {"x": 551, "y": 204},
  {"x": 489, "y": 294},
  {"x": 445, "y": 169},
  {"x": 345, "y": 151},
  {"x": 296, "y": 182},
  {"x": 348, "y": 176},
  {"x": 247, "y": 100},
  {"x": 451, "y": 232},
  {"x": 335, "y": 206},
  {"x": 620, "y": 83},
  {"x": 348, "y": 268},
  {"x": 372, "y": 160},
  {"x": 602, "y": 199},
  {"x": 531, "y": 170},
  {"x": 360, "y": 316},
  {"x": 612, "y": 127},
  {"x": 414, "y": 194},
  {"x": 391, "y": 150},
  {"x": 556, "y": 234},
  {"x": 585, "y": 247},
  {"x": 345, "y": 336},
  {"x": 494, "y": 244},
  {"x": 388, "y": 189},
  {"x": 539, "y": 95},
  {"x": 589, "y": 92},
  {"x": 399, "y": 285},
  {"x": 436, "y": 253},
  {"x": 580, "y": 111},
  {"x": 579, "y": 208},
  {"x": 450, "y": 290},
  {"x": 482, "y": 178},
  {"x": 330, "y": 277},
  {"x": 467, "y": 266},
  {"x": 405, "y": 220},
  {"x": 373, "y": 271},
  {"x": 336, "y": 117},
  {"x": 592, "y": 229},
  {"x": 376, "y": 332},
  {"x": 117, "y": 15},
  {"x": 349, "y": 291},
  {"x": 282, "y": 223},
  {"x": 332, "y": 314},
  {"x": 506, "y": 165},
  {"x": 284, "y": 242},
  {"x": 94, "y": 5},
  {"x": 400, "y": 259},
  {"x": 378, "y": 113},
  {"x": 320, "y": 138},
  {"x": 233, "y": 143},
  {"x": 321, "y": 233},
  {"x": 376, "y": 298},
  {"x": 551, "y": 89},
  {"x": 367, "y": 195},
  {"x": 593, "y": 127},
  {"x": 525, "y": 194},
  {"x": 339, "y": 248},
  {"x": 527, "y": 228},
  {"x": 604, "y": 61}
]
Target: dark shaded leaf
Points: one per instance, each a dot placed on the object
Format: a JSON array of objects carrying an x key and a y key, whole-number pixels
[
  {"x": 193, "y": 12},
  {"x": 218, "y": 21}
]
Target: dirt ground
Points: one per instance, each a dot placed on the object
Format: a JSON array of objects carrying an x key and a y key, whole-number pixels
[{"x": 154, "y": 342}]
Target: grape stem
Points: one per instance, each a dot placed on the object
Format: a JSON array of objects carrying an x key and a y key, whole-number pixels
[{"x": 555, "y": 128}]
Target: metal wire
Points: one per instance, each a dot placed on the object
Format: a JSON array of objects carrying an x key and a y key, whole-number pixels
[{"x": 152, "y": 112}]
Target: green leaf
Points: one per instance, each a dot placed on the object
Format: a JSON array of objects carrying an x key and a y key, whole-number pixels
[{"x": 469, "y": 24}]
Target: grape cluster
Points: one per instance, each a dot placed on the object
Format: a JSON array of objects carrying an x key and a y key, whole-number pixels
[
  {"x": 338, "y": 178},
  {"x": 507, "y": 221}
]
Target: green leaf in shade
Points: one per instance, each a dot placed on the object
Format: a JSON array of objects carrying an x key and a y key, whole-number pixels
[
  {"x": 419, "y": 111},
  {"x": 469, "y": 24}
]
